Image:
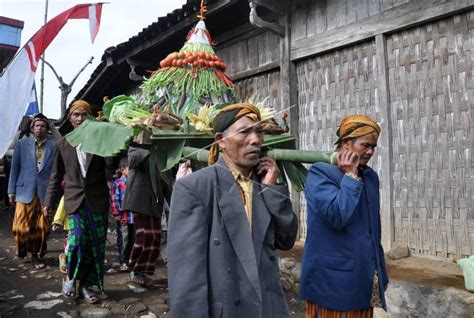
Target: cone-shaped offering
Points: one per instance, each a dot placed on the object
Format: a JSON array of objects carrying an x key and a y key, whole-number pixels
[{"x": 190, "y": 78}]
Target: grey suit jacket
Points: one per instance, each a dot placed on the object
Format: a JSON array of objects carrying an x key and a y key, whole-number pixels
[{"x": 217, "y": 267}]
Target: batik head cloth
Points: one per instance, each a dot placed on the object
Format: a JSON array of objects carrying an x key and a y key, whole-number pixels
[
  {"x": 80, "y": 104},
  {"x": 226, "y": 117},
  {"x": 354, "y": 126}
]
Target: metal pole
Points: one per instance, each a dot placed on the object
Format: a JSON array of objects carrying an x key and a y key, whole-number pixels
[{"x": 41, "y": 105}]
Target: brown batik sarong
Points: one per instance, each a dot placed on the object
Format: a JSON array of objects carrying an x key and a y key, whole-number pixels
[
  {"x": 146, "y": 248},
  {"x": 30, "y": 228},
  {"x": 315, "y": 311}
]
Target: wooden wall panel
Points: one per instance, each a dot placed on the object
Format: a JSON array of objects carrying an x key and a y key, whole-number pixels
[
  {"x": 432, "y": 101},
  {"x": 250, "y": 53},
  {"x": 311, "y": 17}
]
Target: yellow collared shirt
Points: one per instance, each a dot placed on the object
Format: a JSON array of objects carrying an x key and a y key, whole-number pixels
[
  {"x": 39, "y": 151},
  {"x": 245, "y": 187}
]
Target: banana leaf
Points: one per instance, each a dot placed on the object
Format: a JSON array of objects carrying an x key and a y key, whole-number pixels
[
  {"x": 101, "y": 138},
  {"x": 107, "y": 108},
  {"x": 157, "y": 161},
  {"x": 169, "y": 152},
  {"x": 296, "y": 173}
]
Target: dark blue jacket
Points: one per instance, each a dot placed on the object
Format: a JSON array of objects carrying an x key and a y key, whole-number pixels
[
  {"x": 25, "y": 178},
  {"x": 342, "y": 248}
]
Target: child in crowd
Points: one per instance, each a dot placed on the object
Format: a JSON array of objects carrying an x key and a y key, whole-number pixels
[{"x": 123, "y": 219}]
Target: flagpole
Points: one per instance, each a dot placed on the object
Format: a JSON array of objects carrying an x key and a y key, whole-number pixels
[{"x": 42, "y": 63}]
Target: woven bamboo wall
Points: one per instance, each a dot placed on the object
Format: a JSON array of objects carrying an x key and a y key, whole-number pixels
[
  {"x": 331, "y": 86},
  {"x": 432, "y": 98},
  {"x": 264, "y": 85},
  {"x": 426, "y": 75}
]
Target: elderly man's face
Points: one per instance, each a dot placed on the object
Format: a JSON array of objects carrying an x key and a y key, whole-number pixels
[
  {"x": 78, "y": 117},
  {"x": 363, "y": 146},
  {"x": 241, "y": 143},
  {"x": 40, "y": 128}
]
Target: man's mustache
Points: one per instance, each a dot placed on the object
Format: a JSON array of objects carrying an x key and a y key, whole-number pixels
[{"x": 257, "y": 151}]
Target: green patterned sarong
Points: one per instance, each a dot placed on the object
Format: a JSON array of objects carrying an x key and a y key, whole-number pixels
[{"x": 86, "y": 252}]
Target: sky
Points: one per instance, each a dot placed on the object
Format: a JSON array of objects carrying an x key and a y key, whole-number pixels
[{"x": 72, "y": 48}]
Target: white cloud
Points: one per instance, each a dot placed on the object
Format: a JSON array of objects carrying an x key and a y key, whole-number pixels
[{"x": 72, "y": 48}]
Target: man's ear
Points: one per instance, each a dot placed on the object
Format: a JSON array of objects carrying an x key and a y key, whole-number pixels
[
  {"x": 219, "y": 138},
  {"x": 345, "y": 144}
]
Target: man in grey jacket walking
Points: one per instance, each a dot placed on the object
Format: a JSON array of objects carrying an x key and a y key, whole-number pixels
[{"x": 226, "y": 222}]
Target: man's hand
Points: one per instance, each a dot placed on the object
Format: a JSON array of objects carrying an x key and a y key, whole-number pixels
[
  {"x": 11, "y": 198},
  {"x": 268, "y": 171},
  {"x": 347, "y": 161},
  {"x": 55, "y": 227},
  {"x": 46, "y": 211}
]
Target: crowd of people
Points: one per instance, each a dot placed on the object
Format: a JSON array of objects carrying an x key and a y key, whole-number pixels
[{"x": 225, "y": 222}]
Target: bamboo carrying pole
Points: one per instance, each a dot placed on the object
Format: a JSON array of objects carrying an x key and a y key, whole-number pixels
[{"x": 302, "y": 156}]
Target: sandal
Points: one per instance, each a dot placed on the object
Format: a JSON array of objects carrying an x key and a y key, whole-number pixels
[
  {"x": 63, "y": 263},
  {"x": 141, "y": 279},
  {"x": 91, "y": 297},
  {"x": 69, "y": 288},
  {"x": 123, "y": 267},
  {"x": 37, "y": 264}
]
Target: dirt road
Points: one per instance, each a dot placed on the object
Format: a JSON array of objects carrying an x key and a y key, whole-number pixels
[{"x": 27, "y": 292}]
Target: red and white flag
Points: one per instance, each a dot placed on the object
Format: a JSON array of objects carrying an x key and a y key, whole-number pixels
[{"x": 18, "y": 78}]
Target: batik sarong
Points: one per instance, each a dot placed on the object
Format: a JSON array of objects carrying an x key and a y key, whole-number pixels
[
  {"x": 86, "y": 251},
  {"x": 146, "y": 248},
  {"x": 314, "y": 311},
  {"x": 30, "y": 228}
]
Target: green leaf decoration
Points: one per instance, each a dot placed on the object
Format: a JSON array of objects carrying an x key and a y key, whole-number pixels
[
  {"x": 296, "y": 173},
  {"x": 107, "y": 108},
  {"x": 169, "y": 152},
  {"x": 100, "y": 138},
  {"x": 154, "y": 172},
  {"x": 282, "y": 177}
]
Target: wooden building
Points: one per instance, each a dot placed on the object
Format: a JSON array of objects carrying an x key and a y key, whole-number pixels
[{"x": 408, "y": 64}]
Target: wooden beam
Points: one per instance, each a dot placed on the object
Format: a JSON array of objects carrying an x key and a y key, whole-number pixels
[
  {"x": 289, "y": 94},
  {"x": 277, "y": 6},
  {"x": 257, "y": 21},
  {"x": 256, "y": 71},
  {"x": 401, "y": 17},
  {"x": 386, "y": 203},
  {"x": 241, "y": 33}
]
